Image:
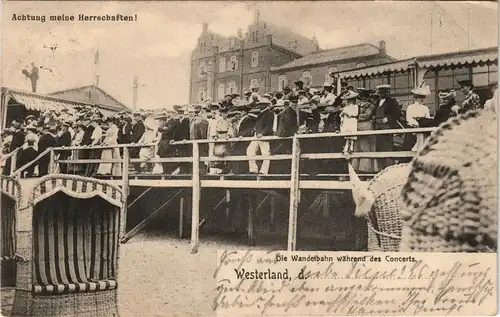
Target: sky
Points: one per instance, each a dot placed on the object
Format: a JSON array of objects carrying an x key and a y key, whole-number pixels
[{"x": 156, "y": 47}]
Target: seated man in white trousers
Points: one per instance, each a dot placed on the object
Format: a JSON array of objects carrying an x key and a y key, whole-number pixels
[{"x": 263, "y": 127}]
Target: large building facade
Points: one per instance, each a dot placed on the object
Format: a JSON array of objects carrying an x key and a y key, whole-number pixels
[
  {"x": 222, "y": 65},
  {"x": 268, "y": 56}
]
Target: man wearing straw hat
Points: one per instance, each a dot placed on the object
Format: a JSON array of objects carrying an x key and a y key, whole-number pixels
[
  {"x": 64, "y": 140},
  {"x": 46, "y": 140},
  {"x": 138, "y": 130},
  {"x": 387, "y": 115},
  {"x": 263, "y": 127}
]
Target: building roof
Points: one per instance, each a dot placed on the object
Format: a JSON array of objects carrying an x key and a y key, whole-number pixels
[
  {"x": 332, "y": 55},
  {"x": 397, "y": 66},
  {"x": 482, "y": 55},
  {"x": 289, "y": 39},
  {"x": 460, "y": 58},
  {"x": 119, "y": 106},
  {"x": 39, "y": 102}
]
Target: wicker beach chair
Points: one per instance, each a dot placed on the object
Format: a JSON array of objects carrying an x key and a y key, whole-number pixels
[
  {"x": 450, "y": 199},
  {"x": 11, "y": 191},
  {"x": 380, "y": 202},
  {"x": 68, "y": 233}
]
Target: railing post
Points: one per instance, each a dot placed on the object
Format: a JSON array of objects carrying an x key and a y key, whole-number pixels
[
  {"x": 52, "y": 164},
  {"x": 13, "y": 162},
  {"x": 125, "y": 189},
  {"x": 196, "y": 194},
  {"x": 294, "y": 196}
]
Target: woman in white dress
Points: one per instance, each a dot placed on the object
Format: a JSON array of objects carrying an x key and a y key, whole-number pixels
[
  {"x": 416, "y": 111},
  {"x": 111, "y": 138},
  {"x": 349, "y": 120},
  {"x": 148, "y": 153}
]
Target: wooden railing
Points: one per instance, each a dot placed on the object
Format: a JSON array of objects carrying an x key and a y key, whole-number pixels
[{"x": 195, "y": 160}]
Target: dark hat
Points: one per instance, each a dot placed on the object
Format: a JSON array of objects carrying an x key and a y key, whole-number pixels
[
  {"x": 228, "y": 95},
  {"x": 465, "y": 82},
  {"x": 30, "y": 117},
  {"x": 299, "y": 83},
  {"x": 235, "y": 95},
  {"x": 214, "y": 105},
  {"x": 246, "y": 92},
  {"x": 365, "y": 92},
  {"x": 287, "y": 88}
]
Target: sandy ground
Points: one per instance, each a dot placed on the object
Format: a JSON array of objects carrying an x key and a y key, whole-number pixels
[{"x": 158, "y": 276}]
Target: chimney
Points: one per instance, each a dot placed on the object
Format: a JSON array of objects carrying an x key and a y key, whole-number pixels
[
  {"x": 269, "y": 40},
  {"x": 205, "y": 27},
  {"x": 315, "y": 43},
  {"x": 239, "y": 34},
  {"x": 256, "y": 16},
  {"x": 381, "y": 46}
]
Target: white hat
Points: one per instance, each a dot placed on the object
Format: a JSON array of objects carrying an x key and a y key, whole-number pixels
[
  {"x": 350, "y": 95},
  {"x": 421, "y": 91},
  {"x": 327, "y": 84},
  {"x": 384, "y": 86}
]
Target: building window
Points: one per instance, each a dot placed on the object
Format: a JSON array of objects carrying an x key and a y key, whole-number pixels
[
  {"x": 231, "y": 43},
  {"x": 254, "y": 83},
  {"x": 307, "y": 77},
  {"x": 233, "y": 63},
  {"x": 359, "y": 65},
  {"x": 231, "y": 88},
  {"x": 202, "y": 93},
  {"x": 203, "y": 68},
  {"x": 222, "y": 65},
  {"x": 220, "y": 91},
  {"x": 282, "y": 82},
  {"x": 255, "y": 59},
  {"x": 328, "y": 78},
  {"x": 255, "y": 36}
]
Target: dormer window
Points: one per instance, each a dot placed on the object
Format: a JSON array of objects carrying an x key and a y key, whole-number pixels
[{"x": 233, "y": 63}]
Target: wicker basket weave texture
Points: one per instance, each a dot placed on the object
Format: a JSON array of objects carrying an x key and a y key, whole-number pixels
[
  {"x": 386, "y": 188},
  {"x": 94, "y": 304},
  {"x": 26, "y": 303},
  {"x": 451, "y": 195}
]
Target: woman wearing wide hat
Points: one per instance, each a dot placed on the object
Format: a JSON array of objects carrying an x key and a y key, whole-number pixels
[
  {"x": 418, "y": 115},
  {"x": 365, "y": 143},
  {"x": 447, "y": 107},
  {"x": 349, "y": 119}
]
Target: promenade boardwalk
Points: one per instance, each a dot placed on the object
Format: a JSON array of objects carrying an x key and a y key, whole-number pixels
[{"x": 197, "y": 191}]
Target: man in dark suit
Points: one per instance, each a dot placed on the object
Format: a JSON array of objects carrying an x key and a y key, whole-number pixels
[
  {"x": 137, "y": 132},
  {"x": 198, "y": 130},
  {"x": 263, "y": 127},
  {"x": 165, "y": 149},
  {"x": 244, "y": 128},
  {"x": 88, "y": 129},
  {"x": 46, "y": 140},
  {"x": 125, "y": 134},
  {"x": 18, "y": 138},
  {"x": 64, "y": 140},
  {"x": 287, "y": 126},
  {"x": 182, "y": 133},
  {"x": 387, "y": 117}
]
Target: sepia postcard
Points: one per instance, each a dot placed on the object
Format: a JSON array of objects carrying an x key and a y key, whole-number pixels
[{"x": 249, "y": 158}]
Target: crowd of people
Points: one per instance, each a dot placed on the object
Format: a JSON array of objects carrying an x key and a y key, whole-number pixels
[{"x": 282, "y": 114}]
